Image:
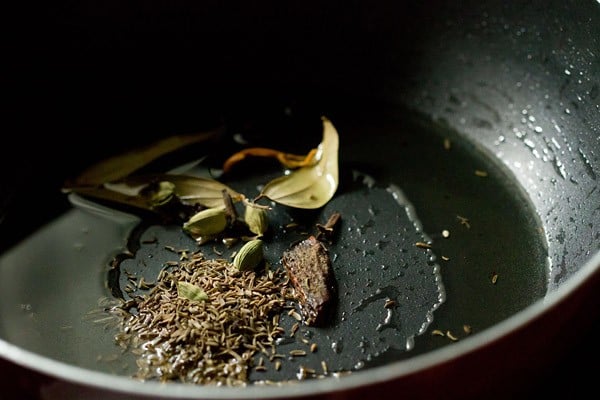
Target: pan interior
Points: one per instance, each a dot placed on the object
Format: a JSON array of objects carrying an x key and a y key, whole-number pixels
[{"x": 404, "y": 180}]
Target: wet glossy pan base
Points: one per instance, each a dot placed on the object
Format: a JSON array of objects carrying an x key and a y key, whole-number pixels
[{"x": 435, "y": 183}]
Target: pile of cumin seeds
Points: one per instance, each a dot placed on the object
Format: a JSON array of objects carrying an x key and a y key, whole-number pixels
[{"x": 208, "y": 342}]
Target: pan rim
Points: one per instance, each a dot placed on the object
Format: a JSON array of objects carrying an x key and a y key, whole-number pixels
[{"x": 127, "y": 386}]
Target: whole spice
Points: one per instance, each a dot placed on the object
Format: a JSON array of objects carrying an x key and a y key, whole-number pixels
[
  {"x": 202, "y": 320},
  {"x": 310, "y": 186},
  {"x": 206, "y": 223},
  {"x": 205, "y": 342},
  {"x": 256, "y": 218},
  {"x": 249, "y": 256},
  {"x": 191, "y": 292},
  {"x": 163, "y": 193},
  {"x": 325, "y": 232},
  {"x": 309, "y": 267},
  {"x": 286, "y": 159}
]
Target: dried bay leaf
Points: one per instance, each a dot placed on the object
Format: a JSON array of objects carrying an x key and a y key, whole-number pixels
[
  {"x": 311, "y": 186},
  {"x": 133, "y": 191},
  {"x": 197, "y": 190},
  {"x": 122, "y": 165},
  {"x": 116, "y": 197}
]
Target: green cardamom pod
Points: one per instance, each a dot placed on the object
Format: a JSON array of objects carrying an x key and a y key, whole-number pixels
[
  {"x": 162, "y": 194},
  {"x": 189, "y": 291},
  {"x": 208, "y": 222},
  {"x": 249, "y": 256},
  {"x": 256, "y": 219}
]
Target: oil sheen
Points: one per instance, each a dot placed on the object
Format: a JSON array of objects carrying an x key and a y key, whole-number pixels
[{"x": 435, "y": 238}]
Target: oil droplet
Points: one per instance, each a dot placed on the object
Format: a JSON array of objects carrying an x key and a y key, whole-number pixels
[
  {"x": 337, "y": 346},
  {"x": 560, "y": 168},
  {"x": 587, "y": 164},
  {"x": 410, "y": 343}
]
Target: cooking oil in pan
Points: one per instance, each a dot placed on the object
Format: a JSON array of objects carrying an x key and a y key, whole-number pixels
[
  {"x": 387, "y": 281},
  {"x": 437, "y": 243},
  {"x": 485, "y": 233}
]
